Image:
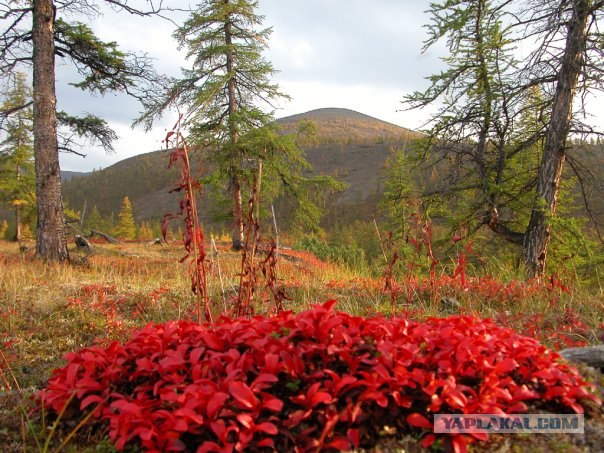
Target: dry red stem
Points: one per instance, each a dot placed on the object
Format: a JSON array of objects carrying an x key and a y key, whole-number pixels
[{"x": 193, "y": 234}]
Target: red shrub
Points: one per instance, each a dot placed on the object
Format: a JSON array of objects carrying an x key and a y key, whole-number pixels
[{"x": 317, "y": 380}]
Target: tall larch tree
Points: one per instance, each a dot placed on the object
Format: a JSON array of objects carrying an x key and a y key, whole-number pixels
[
  {"x": 483, "y": 131},
  {"x": 568, "y": 70},
  {"x": 225, "y": 96},
  {"x": 51, "y": 242},
  {"x": 34, "y": 36},
  {"x": 221, "y": 91},
  {"x": 469, "y": 134}
]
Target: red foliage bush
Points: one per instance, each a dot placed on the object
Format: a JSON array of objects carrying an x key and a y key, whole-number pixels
[{"x": 316, "y": 380}]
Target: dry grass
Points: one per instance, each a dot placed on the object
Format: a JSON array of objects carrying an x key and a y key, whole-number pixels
[{"x": 47, "y": 310}]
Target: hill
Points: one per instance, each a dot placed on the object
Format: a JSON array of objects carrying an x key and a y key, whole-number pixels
[
  {"x": 351, "y": 146},
  {"x": 144, "y": 179},
  {"x": 344, "y": 126},
  {"x": 66, "y": 175}
]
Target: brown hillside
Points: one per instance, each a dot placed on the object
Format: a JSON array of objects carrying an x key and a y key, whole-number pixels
[
  {"x": 352, "y": 147},
  {"x": 344, "y": 126}
]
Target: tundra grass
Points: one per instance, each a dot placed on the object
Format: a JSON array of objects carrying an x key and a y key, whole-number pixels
[{"x": 48, "y": 310}]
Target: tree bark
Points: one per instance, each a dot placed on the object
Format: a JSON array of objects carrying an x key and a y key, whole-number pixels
[
  {"x": 17, "y": 224},
  {"x": 51, "y": 242},
  {"x": 538, "y": 232},
  {"x": 237, "y": 233},
  {"x": 237, "y": 239},
  {"x": 17, "y": 208}
]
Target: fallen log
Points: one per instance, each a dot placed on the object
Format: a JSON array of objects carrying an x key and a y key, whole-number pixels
[{"x": 104, "y": 236}]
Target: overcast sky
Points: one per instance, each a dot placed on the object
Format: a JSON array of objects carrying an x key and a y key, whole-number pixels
[{"x": 356, "y": 54}]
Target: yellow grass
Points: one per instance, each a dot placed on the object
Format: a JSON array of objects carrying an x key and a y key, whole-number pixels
[{"x": 48, "y": 310}]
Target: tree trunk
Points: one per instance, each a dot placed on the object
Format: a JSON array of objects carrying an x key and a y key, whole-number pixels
[
  {"x": 237, "y": 233},
  {"x": 537, "y": 235},
  {"x": 17, "y": 207},
  {"x": 51, "y": 242},
  {"x": 17, "y": 224}
]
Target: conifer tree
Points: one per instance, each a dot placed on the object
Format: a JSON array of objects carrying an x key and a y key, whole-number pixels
[
  {"x": 399, "y": 189},
  {"x": 569, "y": 62},
  {"x": 145, "y": 231},
  {"x": 126, "y": 227},
  {"x": 480, "y": 135},
  {"x": 94, "y": 220},
  {"x": 3, "y": 229},
  {"x": 223, "y": 95},
  {"x": 17, "y": 181},
  {"x": 470, "y": 134},
  {"x": 36, "y": 34}
]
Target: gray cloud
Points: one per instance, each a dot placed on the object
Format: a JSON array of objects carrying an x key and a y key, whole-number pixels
[
  {"x": 377, "y": 42},
  {"x": 358, "y": 54}
]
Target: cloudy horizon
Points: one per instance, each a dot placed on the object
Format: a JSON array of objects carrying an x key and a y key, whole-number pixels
[
  {"x": 334, "y": 54},
  {"x": 329, "y": 54}
]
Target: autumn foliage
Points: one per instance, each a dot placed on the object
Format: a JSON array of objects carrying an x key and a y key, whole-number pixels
[{"x": 317, "y": 380}]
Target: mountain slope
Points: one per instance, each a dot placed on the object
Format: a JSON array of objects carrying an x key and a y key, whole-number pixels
[
  {"x": 352, "y": 147},
  {"x": 66, "y": 175},
  {"x": 346, "y": 126}
]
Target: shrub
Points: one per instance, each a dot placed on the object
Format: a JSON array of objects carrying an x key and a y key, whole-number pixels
[{"x": 320, "y": 379}]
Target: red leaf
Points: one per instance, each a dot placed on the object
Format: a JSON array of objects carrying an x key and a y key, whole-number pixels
[
  {"x": 90, "y": 399},
  {"x": 456, "y": 399},
  {"x": 242, "y": 393},
  {"x": 428, "y": 440},
  {"x": 268, "y": 428},
  {"x": 523, "y": 393},
  {"x": 419, "y": 421},
  {"x": 555, "y": 391},
  {"x": 459, "y": 444},
  {"x": 267, "y": 442},
  {"x": 271, "y": 363},
  {"x": 196, "y": 355},
  {"x": 321, "y": 398},
  {"x": 273, "y": 404},
  {"x": 72, "y": 371},
  {"x": 376, "y": 396},
  {"x": 263, "y": 381},
  {"x": 505, "y": 366},
  {"x": 168, "y": 135},
  {"x": 215, "y": 403},
  {"x": 246, "y": 420},
  {"x": 145, "y": 434},
  {"x": 126, "y": 407},
  {"x": 212, "y": 341},
  {"x": 329, "y": 304},
  {"x": 480, "y": 436},
  {"x": 340, "y": 444},
  {"x": 88, "y": 384},
  {"x": 189, "y": 414},
  {"x": 219, "y": 428},
  {"x": 345, "y": 381},
  {"x": 354, "y": 437}
]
